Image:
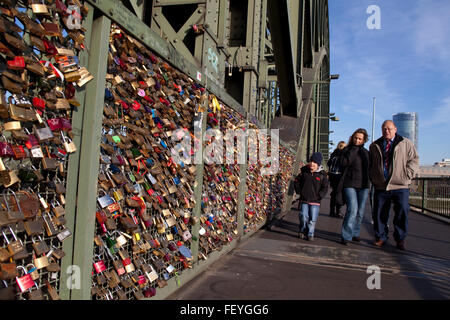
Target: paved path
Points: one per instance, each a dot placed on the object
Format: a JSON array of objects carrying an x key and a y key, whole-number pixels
[{"x": 276, "y": 265}]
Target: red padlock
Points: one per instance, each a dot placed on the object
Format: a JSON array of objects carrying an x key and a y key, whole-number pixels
[
  {"x": 99, "y": 266},
  {"x": 24, "y": 282},
  {"x": 18, "y": 63},
  {"x": 136, "y": 105},
  {"x": 119, "y": 267},
  {"x": 38, "y": 103},
  {"x": 149, "y": 292},
  {"x": 50, "y": 48},
  {"x": 128, "y": 265}
]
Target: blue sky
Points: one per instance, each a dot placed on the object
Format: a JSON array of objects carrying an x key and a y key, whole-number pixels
[{"x": 405, "y": 65}]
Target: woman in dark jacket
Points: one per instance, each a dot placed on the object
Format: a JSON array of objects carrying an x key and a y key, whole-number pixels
[
  {"x": 335, "y": 174},
  {"x": 355, "y": 183}
]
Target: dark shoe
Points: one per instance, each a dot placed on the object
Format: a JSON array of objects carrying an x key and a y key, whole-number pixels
[
  {"x": 356, "y": 239},
  {"x": 310, "y": 238},
  {"x": 379, "y": 243},
  {"x": 344, "y": 242},
  {"x": 401, "y": 245}
]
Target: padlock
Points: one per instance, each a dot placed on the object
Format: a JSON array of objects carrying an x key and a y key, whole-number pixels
[
  {"x": 99, "y": 266},
  {"x": 68, "y": 144},
  {"x": 40, "y": 247},
  {"x": 110, "y": 243},
  {"x": 118, "y": 266},
  {"x": 43, "y": 202},
  {"x": 41, "y": 262},
  {"x": 151, "y": 274},
  {"x": 141, "y": 279},
  {"x": 50, "y": 227},
  {"x": 118, "y": 195},
  {"x": 57, "y": 209},
  {"x": 13, "y": 215},
  {"x": 7, "y": 293},
  {"x": 56, "y": 252},
  {"x": 136, "y": 237},
  {"x": 120, "y": 240},
  {"x": 33, "y": 271},
  {"x": 64, "y": 234},
  {"x": 14, "y": 247},
  {"x": 35, "y": 294},
  {"x": 25, "y": 281},
  {"x": 105, "y": 200},
  {"x": 40, "y": 9},
  {"x": 126, "y": 261}
]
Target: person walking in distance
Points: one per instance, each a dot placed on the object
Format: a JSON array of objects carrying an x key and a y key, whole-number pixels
[
  {"x": 355, "y": 184},
  {"x": 312, "y": 186},
  {"x": 334, "y": 175},
  {"x": 393, "y": 163}
]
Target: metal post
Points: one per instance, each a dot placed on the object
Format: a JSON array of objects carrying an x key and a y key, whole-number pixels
[
  {"x": 73, "y": 166},
  {"x": 198, "y": 188},
  {"x": 373, "y": 120},
  {"x": 89, "y": 157},
  {"x": 424, "y": 194},
  {"x": 242, "y": 189}
]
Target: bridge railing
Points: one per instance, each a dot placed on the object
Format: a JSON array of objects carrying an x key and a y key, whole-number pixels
[{"x": 431, "y": 195}]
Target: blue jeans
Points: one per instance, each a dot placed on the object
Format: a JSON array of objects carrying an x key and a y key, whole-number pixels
[
  {"x": 356, "y": 204},
  {"x": 308, "y": 217},
  {"x": 383, "y": 201}
]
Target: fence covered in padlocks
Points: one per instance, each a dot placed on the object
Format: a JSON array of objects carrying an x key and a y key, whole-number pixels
[
  {"x": 144, "y": 221},
  {"x": 39, "y": 76}
]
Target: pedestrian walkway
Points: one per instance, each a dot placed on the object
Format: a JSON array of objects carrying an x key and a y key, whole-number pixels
[{"x": 277, "y": 265}]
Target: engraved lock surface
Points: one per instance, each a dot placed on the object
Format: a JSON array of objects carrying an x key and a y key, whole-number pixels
[
  {"x": 15, "y": 246},
  {"x": 41, "y": 262},
  {"x": 64, "y": 234}
]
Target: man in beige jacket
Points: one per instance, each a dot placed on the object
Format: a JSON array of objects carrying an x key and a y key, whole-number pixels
[{"x": 393, "y": 163}]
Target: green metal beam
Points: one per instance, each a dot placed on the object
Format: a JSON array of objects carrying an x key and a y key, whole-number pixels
[
  {"x": 278, "y": 13},
  {"x": 73, "y": 165},
  {"x": 89, "y": 156},
  {"x": 198, "y": 187},
  {"x": 176, "y": 2}
]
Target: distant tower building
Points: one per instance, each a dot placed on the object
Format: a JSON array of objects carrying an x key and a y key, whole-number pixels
[{"x": 407, "y": 124}]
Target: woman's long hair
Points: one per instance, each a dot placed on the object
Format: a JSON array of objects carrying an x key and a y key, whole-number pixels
[{"x": 360, "y": 130}]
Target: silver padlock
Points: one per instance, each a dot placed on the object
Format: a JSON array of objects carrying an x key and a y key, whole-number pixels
[{"x": 105, "y": 200}]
